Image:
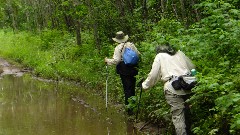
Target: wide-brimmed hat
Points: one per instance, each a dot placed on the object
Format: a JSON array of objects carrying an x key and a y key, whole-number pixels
[{"x": 120, "y": 37}]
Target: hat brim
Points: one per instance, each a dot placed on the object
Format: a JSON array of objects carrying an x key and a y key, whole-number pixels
[{"x": 121, "y": 40}]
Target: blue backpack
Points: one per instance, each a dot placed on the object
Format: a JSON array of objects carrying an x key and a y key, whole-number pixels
[{"x": 130, "y": 57}]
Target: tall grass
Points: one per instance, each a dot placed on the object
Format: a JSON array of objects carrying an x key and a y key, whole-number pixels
[{"x": 52, "y": 54}]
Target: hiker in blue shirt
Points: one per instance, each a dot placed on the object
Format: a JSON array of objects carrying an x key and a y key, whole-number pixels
[{"x": 127, "y": 72}]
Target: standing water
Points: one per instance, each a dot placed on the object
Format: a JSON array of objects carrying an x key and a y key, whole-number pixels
[{"x": 32, "y": 107}]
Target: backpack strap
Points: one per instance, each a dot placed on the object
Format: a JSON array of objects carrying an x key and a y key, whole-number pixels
[
  {"x": 122, "y": 50},
  {"x": 123, "y": 47}
]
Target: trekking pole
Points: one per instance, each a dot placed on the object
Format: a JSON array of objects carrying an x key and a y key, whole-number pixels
[
  {"x": 140, "y": 85},
  {"x": 106, "y": 86}
]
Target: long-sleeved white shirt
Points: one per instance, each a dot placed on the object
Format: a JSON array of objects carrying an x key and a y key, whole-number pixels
[
  {"x": 118, "y": 52},
  {"x": 164, "y": 67}
]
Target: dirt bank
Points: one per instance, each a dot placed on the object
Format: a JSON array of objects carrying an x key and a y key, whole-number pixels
[{"x": 10, "y": 69}]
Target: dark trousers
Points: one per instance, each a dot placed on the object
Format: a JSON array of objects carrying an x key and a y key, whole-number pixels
[{"x": 128, "y": 83}]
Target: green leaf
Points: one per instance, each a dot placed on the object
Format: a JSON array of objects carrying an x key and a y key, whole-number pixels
[{"x": 221, "y": 37}]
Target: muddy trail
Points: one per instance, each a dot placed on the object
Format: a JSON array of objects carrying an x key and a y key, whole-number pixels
[{"x": 7, "y": 68}]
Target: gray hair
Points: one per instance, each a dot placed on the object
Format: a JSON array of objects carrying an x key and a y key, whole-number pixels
[{"x": 165, "y": 49}]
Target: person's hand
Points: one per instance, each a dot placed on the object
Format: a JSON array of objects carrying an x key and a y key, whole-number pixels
[{"x": 105, "y": 60}]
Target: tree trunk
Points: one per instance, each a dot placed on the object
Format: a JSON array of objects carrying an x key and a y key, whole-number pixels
[
  {"x": 162, "y": 8},
  {"x": 175, "y": 10},
  {"x": 144, "y": 11},
  {"x": 95, "y": 25},
  {"x": 131, "y": 5},
  {"x": 96, "y": 37},
  {"x": 183, "y": 10},
  {"x": 78, "y": 33},
  {"x": 120, "y": 5},
  {"x": 196, "y": 12}
]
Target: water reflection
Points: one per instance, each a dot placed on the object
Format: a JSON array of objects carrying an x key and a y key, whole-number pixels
[{"x": 31, "y": 107}]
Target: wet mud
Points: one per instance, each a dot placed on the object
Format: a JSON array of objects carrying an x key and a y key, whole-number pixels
[{"x": 9, "y": 69}]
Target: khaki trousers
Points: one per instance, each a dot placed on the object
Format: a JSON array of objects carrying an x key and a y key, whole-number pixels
[{"x": 178, "y": 110}]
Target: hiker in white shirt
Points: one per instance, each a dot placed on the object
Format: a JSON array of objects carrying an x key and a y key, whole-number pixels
[
  {"x": 169, "y": 63},
  {"x": 127, "y": 73}
]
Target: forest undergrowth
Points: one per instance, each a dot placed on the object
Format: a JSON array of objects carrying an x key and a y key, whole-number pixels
[{"x": 213, "y": 45}]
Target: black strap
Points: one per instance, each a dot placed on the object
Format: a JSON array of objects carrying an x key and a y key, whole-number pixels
[{"x": 122, "y": 47}]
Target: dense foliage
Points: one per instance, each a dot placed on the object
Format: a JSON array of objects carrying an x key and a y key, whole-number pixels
[{"x": 62, "y": 39}]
